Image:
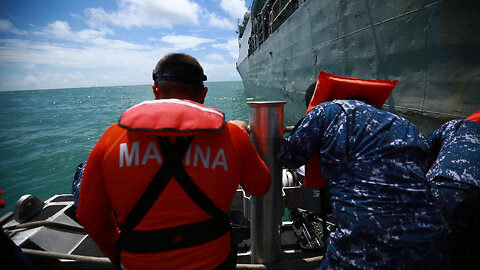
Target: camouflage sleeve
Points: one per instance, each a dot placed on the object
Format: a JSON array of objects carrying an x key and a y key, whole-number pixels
[
  {"x": 435, "y": 142},
  {"x": 437, "y": 138},
  {"x": 304, "y": 141}
]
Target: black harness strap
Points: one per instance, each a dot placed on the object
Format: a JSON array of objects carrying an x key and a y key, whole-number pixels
[
  {"x": 180, "y": 236},
  {"x": 173, "y": 154}
]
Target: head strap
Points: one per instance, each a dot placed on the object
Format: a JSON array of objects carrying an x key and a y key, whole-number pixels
[{"x": 179, "y": 76}]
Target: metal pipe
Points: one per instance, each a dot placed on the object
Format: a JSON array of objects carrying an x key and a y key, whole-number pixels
[{"x": 266, "y": 131}]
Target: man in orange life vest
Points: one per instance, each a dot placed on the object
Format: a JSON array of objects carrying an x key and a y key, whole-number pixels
[{"x": 158, "y": 183}]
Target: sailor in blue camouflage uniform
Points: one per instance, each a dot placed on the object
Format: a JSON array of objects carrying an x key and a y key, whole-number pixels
[
  {"x": 374, "y": 164},
  {"x": 77, "y": 182},
  {"x": 455, "y": 176}
]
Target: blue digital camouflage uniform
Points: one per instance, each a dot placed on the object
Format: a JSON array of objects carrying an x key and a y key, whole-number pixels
[
  {"x": 455, "y": 177},
  {"x": 77, "y": 182},
  {"x": 457, "y": 146},
  {"x": 374, "y": 164}
]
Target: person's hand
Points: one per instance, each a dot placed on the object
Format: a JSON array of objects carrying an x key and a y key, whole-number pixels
[{"x": 242, "y": 124}]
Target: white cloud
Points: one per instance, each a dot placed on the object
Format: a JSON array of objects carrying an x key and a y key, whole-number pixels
[
  {"x": 221, "y": 71},
  {"x": 63, "y": 80},
  {"x": 85, "y": 78},
  {"x": 236, "y": 8},
  {"x": 153, "y": 39},
  {"x": 61, "y": 30},
  {"x": 182, "y": 42},
  {"x": 21, "y": 52},
  {"x": 231, "y": 46},
  {"x": 216, "y": 57},
  {"x": 221, "y": 23},
  {"x": 152, "y": 13},
  {"x": 45, "y": 80},
  {"x": 7, "y": 26}
]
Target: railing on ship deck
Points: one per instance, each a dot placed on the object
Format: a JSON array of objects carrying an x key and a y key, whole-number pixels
[{"x": 273, "y": 14}]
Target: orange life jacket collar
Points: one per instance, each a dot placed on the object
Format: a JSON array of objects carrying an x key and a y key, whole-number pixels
[
  {"x": 172, "y": 116},
  {"x": 475, "y": 117},
  {"x": 330, "y": 87}
]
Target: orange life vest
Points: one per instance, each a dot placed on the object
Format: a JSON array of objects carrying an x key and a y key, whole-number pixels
[
  {"x": 330, "y": 87},
  {"x": 475, "y": 117},
  {"x": 178, "y": 118}
]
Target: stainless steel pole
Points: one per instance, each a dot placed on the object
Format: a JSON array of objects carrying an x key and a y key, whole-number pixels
[{"x": 266, "y": 131}]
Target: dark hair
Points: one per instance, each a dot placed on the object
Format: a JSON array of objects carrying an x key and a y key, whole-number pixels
[
  {"x": 179, "y": 67},
  {"x": 309, "y": 93}
]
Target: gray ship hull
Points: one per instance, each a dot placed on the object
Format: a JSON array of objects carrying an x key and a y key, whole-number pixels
[{"x": 431, "y": 47}]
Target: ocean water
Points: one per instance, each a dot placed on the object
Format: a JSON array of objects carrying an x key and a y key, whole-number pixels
[{"x": 45, "y": 134}]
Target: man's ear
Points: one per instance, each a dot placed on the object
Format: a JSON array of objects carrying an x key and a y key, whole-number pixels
[
  {"x": 202, "y": 95},
  {"x": 155, "y": 90}
]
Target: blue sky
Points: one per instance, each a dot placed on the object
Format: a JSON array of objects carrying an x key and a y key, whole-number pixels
[{"x": 81, "y": 43}]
